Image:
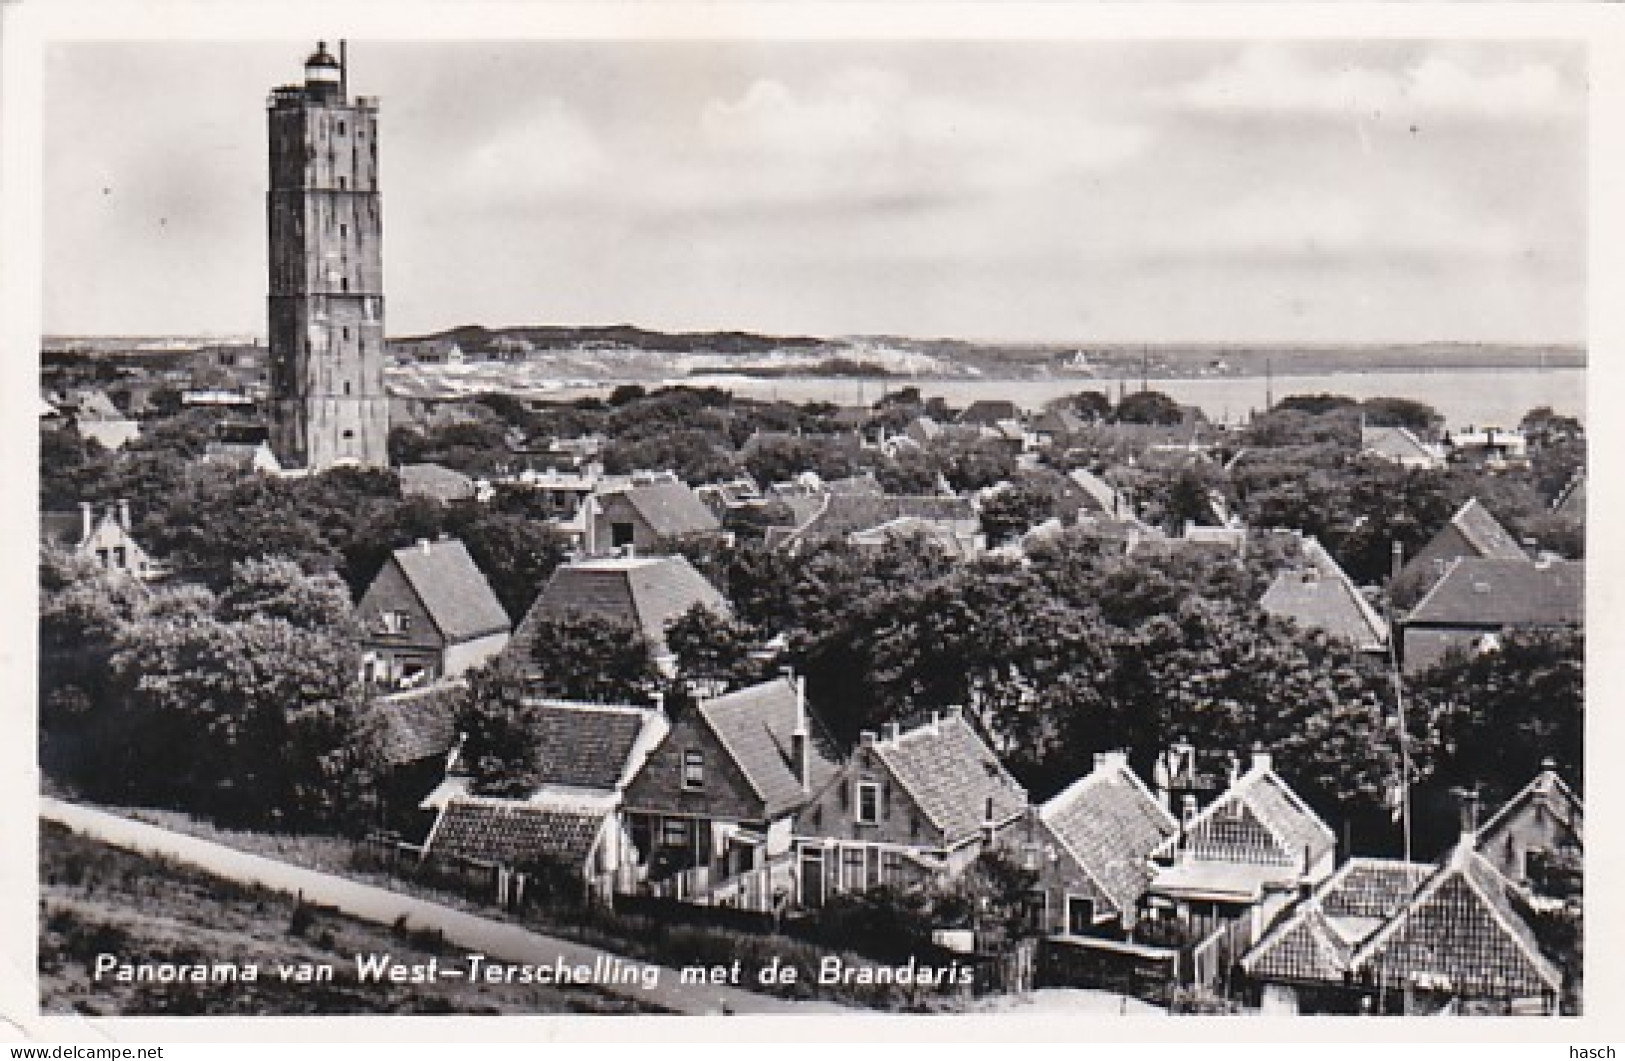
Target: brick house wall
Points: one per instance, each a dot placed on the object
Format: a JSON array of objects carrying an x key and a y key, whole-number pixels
[{"x": 419, "y": 644}]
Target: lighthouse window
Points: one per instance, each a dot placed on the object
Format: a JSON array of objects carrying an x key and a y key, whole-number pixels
[
  {"x": 341, "y": 128},
  {"x": 346, "y": 388},
  {"x": 349, "y": 434},
  {"x": 344, "y": 230},
  {"x": 344, "y": 284},
  {"x": 341, "y": 184},
  {"x": 346, "y": 334}
]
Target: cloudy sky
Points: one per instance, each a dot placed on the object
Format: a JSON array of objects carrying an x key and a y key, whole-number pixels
[{"x": 1052, "y": 191}]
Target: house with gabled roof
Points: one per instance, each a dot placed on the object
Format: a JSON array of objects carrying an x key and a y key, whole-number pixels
[
  {"x": 1478, "y": 600},
  {"x": 645, "y": 517},
  {"x": 1090, "y": 846},
  {"x": 102, "y": 537},
  {"x": 1471, "y": 532},
  {"x": 1543, "y": 819},
  {"x": 715, "y": 800},
  {"x": 430, "y": 613},
  {"x": 1459, "y": 938},
  {"x": 584, "y": 757},
  {"x": 1305, "y": 962},
  {"x": 645, "y": 593},
  {"x": 1399, "y": 445},
  {"x": 1317, "y": 595},
  {"x": 907, "y": 806},
  {"x": 1241, "y": 858},
  {"x": 840, "y": 516}
]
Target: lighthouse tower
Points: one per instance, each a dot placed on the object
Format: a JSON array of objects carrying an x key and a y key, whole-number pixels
[{"x": 328, "y": 404}]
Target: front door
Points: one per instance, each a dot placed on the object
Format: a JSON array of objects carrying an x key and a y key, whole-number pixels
[{"x": 812, "y": 876}]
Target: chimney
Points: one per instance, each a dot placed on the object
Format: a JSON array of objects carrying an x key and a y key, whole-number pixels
[
  {"x": 659, "y": 699},
  {"x": 800, "y": 751},
  {"x": 87, "y": 520},
  {"x": 1467, "y": 801},
  {"x": 124, "y": 513},
  {"x": 1187, "y": 811},
  {"x": 425, "y": 545},
  {"x": 1100, "y": 760},
  {"x": 936, "y": 719},
  {"x": 1398, "y": 558},
  {"x": 891, "y": 732},
  {"x": 866, "y": 739},
  {"x": 1262, "y": 760}
]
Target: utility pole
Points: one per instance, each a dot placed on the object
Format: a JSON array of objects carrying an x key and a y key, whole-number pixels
[{"x": 1399, "y": 707}]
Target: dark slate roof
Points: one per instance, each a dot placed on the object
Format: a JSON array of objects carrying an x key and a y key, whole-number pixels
[
  {"x": 842, "y": 514},
  {"x": 990, "y": 411},
  {"x": 1477, "y": 592},
  {"x": 1460, "y": 927},
  {"x": 1485, "y": 534},
  {"x": 436, "y": 481},
  {"x": 419, "y": 724},
  {"x": 951, "y": 774},
  {"x": 755, "y": 725},
  {"x": 1258, "y": 820},
  {"x": 514, "y": 832},
  {"x": 1317, "y": 595},
  {"x": 585, "y": 745},
  {"x": 453, "y": 589},
  {"x": 671, "y": 509},
  {"x": 1571, "y": 503},
  {"x": 645, "y": 593},
  {"x": 1110, "y": 823}
]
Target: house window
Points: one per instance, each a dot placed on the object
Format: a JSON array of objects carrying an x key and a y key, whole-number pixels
[
  {"x": 1036, "y": 910},
  {"x": 1080, "y": 915},
  {"x": 119, "y": 557},
  {"x": 394, "y": 622},
  {"x": 674, "y": 833},
  {"x": 620, "y": 535},
  {"x": 693, "y": 770},
  {"x": 891, "y": 867},
  {"x": 852, "y": 869},
  {"x": 868, "y": 802}
]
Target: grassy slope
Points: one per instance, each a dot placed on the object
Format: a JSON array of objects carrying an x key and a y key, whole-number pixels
[{"x": 95, "y": 898}]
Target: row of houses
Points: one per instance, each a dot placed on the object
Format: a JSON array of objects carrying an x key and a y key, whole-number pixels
[{"x": 744, "y": 802}]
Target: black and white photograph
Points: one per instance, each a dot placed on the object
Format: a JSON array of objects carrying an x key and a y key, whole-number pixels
[{"x": 1082, "y": 526}]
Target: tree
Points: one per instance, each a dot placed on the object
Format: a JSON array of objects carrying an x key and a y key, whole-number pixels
[
  {"x": 1094, "y": 406},
  {"x": 276, "y": 589},
  {"x": 1493, "y": 716},
  {"x": 1421, "y": 418},
  {"x": 1149, "y": 407},
  {"x": 1010, "y": 512},
  {"x": 714, "y": 651},
  {"x": 516, "y": 554},
  {"x": 585, "y": 657},
  {"x": 497, "y": 725}
]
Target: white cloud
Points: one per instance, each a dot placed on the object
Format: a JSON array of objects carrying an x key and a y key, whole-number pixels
[
  {"x": 868, "y": 134},
  {"x": 546, "y": 151},
  {"x": 1270, "y": 78}
]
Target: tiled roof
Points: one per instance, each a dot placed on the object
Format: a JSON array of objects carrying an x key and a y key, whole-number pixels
[
  {"x": 1110, "y": 823},
  {"x": 436, "y": 481},
  {"x": 585, "y": 745},
  {"x": 515, "y": 832},
  {"x": 1477, "y": 592},
  {"x": 1104, "y": 496},
  {"x": 1316, "y": 941},
  {"x": 1485, "y": 534},
  {"x": 841, "y": 514},
  {"x": 671, "y": 509},
  {"x": 755, "y": 725},
  {"x": 1460, "y": 929},
  {"x": 453, "y": 589},
  {"x": 1395, "y": 444},
  {"x": 956, "y": 538},
  {"x": 419, "y": 724},
  {"x": 1319, "y": 596},
  {"x": 645, "y": 593},
  {"x": 951, "y": 774},
  {"x": 1260, "y": 821}
]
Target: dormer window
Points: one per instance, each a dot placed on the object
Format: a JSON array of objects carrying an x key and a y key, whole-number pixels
[
  {"x": 868, "y": 808},
  {"x": 394, "y": 622},
  {"x": 693, "y": 770}
]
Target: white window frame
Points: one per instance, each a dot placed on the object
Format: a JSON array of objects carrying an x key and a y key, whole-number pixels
[
  {"x": 693, "y": 760},
  {"x": 873, "y": 788}
]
